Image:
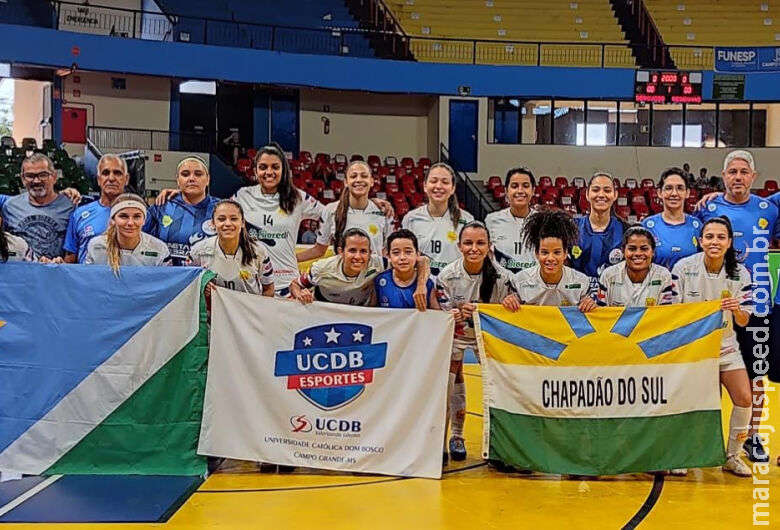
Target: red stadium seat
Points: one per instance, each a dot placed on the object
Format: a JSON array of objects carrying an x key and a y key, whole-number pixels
[
  {"x": 416, "y": 199},
  {"x": 583, "y": 204},
  {"x": 640, "y": 209},
  {"x": 637, "y": 193},
  {"x": 771, "y": 186},
  {"x": 623, "y": 192},
  {"x": 545, "y": 182},
  {"x": 407, "y": 162},
  {"x": 401, "y": 209},
  {"x": 318, "y": 185},
  {"x": 567, "y": 200},
  {"x": 340, "y": 162},
  {"x": 499, "y": 192},
  {"x": 763, "y": 193},
  {"x": 356, "y": 157},
  {"x": 578, "y": 182},
  {"x": 329, "y": 195},
  {"x": 657, "y": 205},
  {"x": 322, "y": 158},
  {"x": 623, "y": 211},
  {"x": 570, "y": 208},
  {"x": 631, "y": 183},
  {"x": 690, "y": 205},
  {"x": 251, "y": 153},
  {"x": 408, "y": 181},
  {"x": 622, "y": 201},
  {"x": 493, "y": 182},
  {"x": 243, "y": 164},
  {"x": 337, "y": 186},
  {"x": 549, "y": 202},
  {"x": 569, "y": 191},
  {"x": 374, "y": 161},
  {"x": 648, "y": 183},
  {"x": 561, "y": 182},
  {"x": 305, "y": 157},
  {"x": 424, "y": 164},
  {"x": 391, "y": 188},
  {"x": 616, "y": 182},
  {"x": 391, "y": 161},
  {"x": 550, "y": 192}
]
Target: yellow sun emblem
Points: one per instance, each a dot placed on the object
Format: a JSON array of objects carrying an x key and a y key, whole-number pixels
[
  {"x": 695, "y": 242},
  {"x": 452, "y": 236},
  {"x": 167, "y": 221},
  {"x": 373, "y": 229},
  {"x": 762, "y": 223},
  {"x": 649, "y": 302},
  {"x": 576, "y": 251},
  {"x": 281, "y": 212},
  {"x": 245, "y": 274}
]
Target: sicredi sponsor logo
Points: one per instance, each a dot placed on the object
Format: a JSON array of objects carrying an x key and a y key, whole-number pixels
[{"x": 331, "y": 364}]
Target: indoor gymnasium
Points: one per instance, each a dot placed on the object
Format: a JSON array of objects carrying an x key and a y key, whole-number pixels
[{"x": 389, "y": 263}]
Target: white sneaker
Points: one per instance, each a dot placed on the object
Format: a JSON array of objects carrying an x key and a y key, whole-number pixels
[
  {"x": 736, "y": 466},
  {"x": 682, "y": 472}
]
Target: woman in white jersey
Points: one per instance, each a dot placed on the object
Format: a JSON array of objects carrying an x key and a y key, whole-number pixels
[
  {"x": 551, "y": 234},
  {"x": 354, "y": 209},
  {"x": 274, "y": 210},
  {"x": 468, "y": 280},
  {"x": 637, "y": 281},
  {"x": 715, "y": 274},
  {"x": 13, "y": 248},
  {"x": 438, "y": 223},
  {"x": 123, "y": 243},
  {"x": 506, "y": 225},
  {"x": 240, "y": 262}
]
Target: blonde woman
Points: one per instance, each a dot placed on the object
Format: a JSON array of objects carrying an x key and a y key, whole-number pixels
[{"x": 123, "y": 243}]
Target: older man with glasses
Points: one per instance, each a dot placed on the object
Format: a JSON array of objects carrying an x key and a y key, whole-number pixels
[{"x": 39, "y": 215}]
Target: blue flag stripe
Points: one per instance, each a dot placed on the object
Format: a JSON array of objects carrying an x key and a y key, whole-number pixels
[
  {"x": 578, "y": 322},
  {"x": 679, "y": 337},
  {"x": 628, "y": 321},
  {"x": 62, "y": 322},
  {"x": 523, "y": 338}
]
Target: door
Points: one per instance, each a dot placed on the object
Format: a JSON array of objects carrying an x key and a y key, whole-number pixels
[
  {"x": 284, "y": 122},
  {"x": 74, "y": 125},
  {"x": 464, "y": 120}
]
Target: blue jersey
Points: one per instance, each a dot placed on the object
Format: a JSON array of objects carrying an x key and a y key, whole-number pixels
[
  {"x": 85, "y": 223},
  {"x": 673, "y": 242},
  {"x": 390, "y": 294},
  {"x": 180, "y": 225},
  {"x": 756, "y": 215},
  {"x": 595, "y": 251},
  {"x": 3, "y": 198}
]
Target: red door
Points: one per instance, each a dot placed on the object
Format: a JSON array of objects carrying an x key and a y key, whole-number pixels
[{"x": 74, "y": 125}]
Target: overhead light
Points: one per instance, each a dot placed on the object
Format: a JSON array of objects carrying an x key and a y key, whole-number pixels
[{"x": 198, "y": 87}]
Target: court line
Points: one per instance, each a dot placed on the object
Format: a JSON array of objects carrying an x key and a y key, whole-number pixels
[
  {"x": 649, "y": 504},
  {"x": 331, "y": 486},
  {"x": 30, "y": 493}
]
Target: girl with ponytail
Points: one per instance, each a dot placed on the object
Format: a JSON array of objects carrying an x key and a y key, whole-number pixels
[
  {"x": 473, "y": 278},
  {"x": 715, "y": 274},
  {"x": 354, "y": 209},
  {"x": 438, "y": 223},
  {"x": 240, "y": 262},
  {"x": 123, "y": 243}
]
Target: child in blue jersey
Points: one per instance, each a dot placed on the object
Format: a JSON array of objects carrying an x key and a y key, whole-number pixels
[
  {"x": 755, "y": 223},
  {"x": 187, "y": 218},
  {"x": 600, "y": 232},
  {"x": 676, "y": 233},
  {"x": 91, "y": 220},
  {"x": 396, "y": 286}
]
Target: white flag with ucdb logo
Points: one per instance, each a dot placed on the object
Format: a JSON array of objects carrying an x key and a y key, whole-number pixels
[{"x": 326, "y": 385}]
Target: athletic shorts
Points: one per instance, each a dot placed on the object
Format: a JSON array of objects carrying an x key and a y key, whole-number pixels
[
  {"x": 774, "y": 345},
  {"x": 731, "y": 361},
  {"x": 459, "y": 346},
  {"x": 747, "y": 341}
]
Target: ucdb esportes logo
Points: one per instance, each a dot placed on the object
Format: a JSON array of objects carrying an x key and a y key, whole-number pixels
[{"x": 331, "y": 364}]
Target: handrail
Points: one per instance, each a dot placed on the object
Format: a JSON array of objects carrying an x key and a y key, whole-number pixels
[
  {"x": 149, "y": 139},
  {"x": 394, "y": 29},
  {"x": 474, "y": 198}
]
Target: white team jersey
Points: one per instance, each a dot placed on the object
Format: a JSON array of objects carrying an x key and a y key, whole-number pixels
[
  {"x": 18, "y": 249},
  {"x": 532, "y": 289},
  {"x": 230, "y": 271},
  {"x": 371, "y": 220},
  {"x": 275, "y": 229},
  {"x": 617, "y": 289},
  {"x": 695, "y": 284},
  {"x": 436, "y": 236},
  {"x": 505, "y": 232},
  {"x": 150, "y": 252},
  {"x": 332, "y": 285},
  {"x": 455, "y": 287}
]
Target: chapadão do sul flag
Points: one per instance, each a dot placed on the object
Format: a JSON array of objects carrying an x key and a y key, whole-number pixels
[
  {"x": 616, "y": 390},
  {"x": 101, "y": 374}
]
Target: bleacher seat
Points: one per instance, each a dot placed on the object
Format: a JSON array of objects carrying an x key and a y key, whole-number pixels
[
  {"x": 771, "y": 186},
  {"x": 561, "y": 182},
  {"x": 493, "y": 182}
]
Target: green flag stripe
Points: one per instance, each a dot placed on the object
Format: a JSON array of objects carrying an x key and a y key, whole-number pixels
[{"x": 606, "y": 446}]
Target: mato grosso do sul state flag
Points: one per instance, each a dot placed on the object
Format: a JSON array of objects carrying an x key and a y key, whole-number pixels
[
  {"x": 616, "y": 390},
  {"x": 101, "y": 374},
  {"x": 327, "y": 386}
]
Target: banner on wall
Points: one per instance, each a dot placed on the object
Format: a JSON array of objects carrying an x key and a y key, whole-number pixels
[
  {"x": 604, "y": 393},
  {"x": 327, "y": 386},
  {"x": 747, "y": 59},
  {"x": 101, "y": 374}
]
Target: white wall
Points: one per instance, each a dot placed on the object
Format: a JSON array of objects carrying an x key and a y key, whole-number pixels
[
  {"x": 365, "y": 124},
  {"x": 621, "y": 161},
  {"x": 29, "y": 105},
  {"x": 145, "y": 104}
]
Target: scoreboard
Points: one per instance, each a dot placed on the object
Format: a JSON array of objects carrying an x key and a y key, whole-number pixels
[{"x": 665, "y": 86}]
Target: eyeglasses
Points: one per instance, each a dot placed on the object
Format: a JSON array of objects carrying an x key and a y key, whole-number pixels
[{"x": 29, "y": 177}]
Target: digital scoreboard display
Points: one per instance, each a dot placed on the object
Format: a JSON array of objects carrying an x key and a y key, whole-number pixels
[{"x": 661, "y": 86}]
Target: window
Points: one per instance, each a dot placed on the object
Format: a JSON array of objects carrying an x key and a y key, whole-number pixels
[
  {"x": 733, "y": 124},
  {"x": 597, "y": 134},
  {"x": 604, "y": 116},
  {"x": 208, "y": 88},
  {"x": 634, "y": 124},
  {"x": 693, "y": 135},
  {"x": 536, "y": 122},
  {"x": 664, "y": 117},
  {"x": 506, "y": 121},
  {"x": 704, "y": 116},
  {"x": 568, "y": 115}
]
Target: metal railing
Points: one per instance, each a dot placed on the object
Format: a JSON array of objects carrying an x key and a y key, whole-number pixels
[
  {"x": 148, "y": 139},
  {"x": 468, "y": 192},
  {"x": 150, "y": 25}
]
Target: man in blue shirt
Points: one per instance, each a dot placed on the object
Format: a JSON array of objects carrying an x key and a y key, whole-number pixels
[
  {"x": 185, "y": 219},
  {"x": 39, "y": 215},
  {"x": 755, "y": 223},
  {"x": 91, "y": 219}
]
